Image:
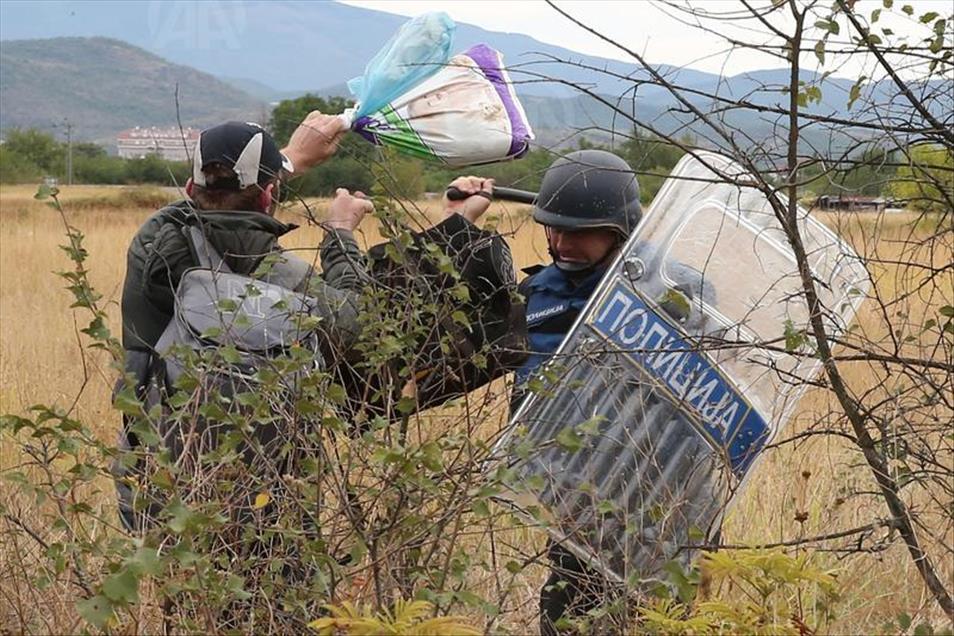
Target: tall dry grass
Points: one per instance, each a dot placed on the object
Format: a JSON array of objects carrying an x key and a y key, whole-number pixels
[{"x": 42, "y": 360}]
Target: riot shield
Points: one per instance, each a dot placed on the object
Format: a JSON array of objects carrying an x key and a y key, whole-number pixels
[{"x": 685, "y": 363}]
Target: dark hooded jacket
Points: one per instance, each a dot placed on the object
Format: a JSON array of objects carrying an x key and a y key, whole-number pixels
[
  {"x": 159, "y": 254},
  {"x": 158, "y": 257}
]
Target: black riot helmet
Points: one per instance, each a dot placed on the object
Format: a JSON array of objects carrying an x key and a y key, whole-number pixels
[{"x": 589, "y": 189}]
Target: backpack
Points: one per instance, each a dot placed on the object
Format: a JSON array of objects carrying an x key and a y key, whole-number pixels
[{"x": 231, "y": 326}]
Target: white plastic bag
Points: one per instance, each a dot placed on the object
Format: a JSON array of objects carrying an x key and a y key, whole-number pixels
[
  {"x": 465, "y": 113},
  {"x": 420, "y": 48}
]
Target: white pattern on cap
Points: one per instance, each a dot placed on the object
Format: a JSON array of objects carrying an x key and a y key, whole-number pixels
[
  {"x": 247, "y": 165},
  {"x": 198, "y": 177}
]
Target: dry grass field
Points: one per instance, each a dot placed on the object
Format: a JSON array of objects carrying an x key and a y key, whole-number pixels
[{"x": 42, "y": 360}]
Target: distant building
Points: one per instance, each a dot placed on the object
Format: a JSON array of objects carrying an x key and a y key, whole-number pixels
[
  {"x": 853, "y": 203},
  {"x": 169, "y": 143}
]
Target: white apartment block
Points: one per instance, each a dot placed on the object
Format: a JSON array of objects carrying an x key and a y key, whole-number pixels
[{"x": 169, "y": 143}]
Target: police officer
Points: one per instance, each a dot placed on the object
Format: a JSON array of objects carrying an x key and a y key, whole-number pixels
[{"x": 589, "y": 204}]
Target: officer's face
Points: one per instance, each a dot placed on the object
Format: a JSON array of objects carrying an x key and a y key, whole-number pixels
[{"x": 584, "y": 247}]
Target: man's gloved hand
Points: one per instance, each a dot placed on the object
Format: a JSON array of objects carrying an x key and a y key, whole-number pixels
[
  {"x": 473, "y": 207},
  {"x": 347, "y": 210},
  {"x": 315, "y": 139}
]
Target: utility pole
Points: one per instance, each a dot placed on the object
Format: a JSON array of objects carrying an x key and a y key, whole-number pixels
[
  {"x": 69, "y": 150},
  {"x": 68, "y": 126}
]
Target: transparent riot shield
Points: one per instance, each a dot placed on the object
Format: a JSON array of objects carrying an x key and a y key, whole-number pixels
[{"x": 683, "y": 366}]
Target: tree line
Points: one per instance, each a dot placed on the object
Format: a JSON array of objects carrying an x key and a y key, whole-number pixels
[{"x": 29, "y": 155}]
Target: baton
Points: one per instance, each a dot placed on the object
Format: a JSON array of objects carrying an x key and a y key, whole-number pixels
[{"x": 504, "y": 194}]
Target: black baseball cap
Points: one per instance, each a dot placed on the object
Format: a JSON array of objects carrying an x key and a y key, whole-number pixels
[{"x": 246, "y": 148}]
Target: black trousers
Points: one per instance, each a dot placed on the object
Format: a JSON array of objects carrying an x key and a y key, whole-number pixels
[{"x": 571, "y": 590}]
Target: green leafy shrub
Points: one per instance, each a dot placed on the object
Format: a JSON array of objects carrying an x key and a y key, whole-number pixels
[
  {"x": 753, "y": 592},
  {"x": 355, "y": 509},
  {"x": 407, "y": 617}
]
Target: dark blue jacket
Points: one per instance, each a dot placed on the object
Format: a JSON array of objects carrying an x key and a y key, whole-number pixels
[{"x": 553, "y": 303}]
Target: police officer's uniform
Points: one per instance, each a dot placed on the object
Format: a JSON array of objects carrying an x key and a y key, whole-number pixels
[
  {"x": 587, "y": 189},
  {"x": 554, "y": 301}
]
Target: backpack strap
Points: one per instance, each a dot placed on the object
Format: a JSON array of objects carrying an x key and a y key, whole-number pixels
[{"x": 206, "y": 256}]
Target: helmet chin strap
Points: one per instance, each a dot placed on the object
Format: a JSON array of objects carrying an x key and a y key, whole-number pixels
[
  {"x": 571, "y": 267},
  {"x": 580, "y": 270}
]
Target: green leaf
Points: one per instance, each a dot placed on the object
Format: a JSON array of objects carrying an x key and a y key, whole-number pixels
[
  {"x": 685, "y": 587},
  {"x": 432, "y": 458},
  {"x": 480, "y": 508},
  {"x": 230, "y": 354},
  {"x": 227, "y": 305},
  {"x": 592, "y": 425},
  {"x": 947, "y": 311},
  {"x": 96, "y": 610},
  {"x": 162, "y": 479},
  {"x": 469, "y": 598},
  {"x": 820, "y": 51},
  {"x": 406, "y": 405},
  {"x": 126, "y": 401},
  {"x": 145, "y": 561},
  {"x": 212, "y": 333},
  {"x": 887, "y": 3},
  {"x": 855, "y": 91},
  {"x": 242, "y": 321},
  {"x": 181, "y": 517},
  {"x": 829, "y": 25},
  {"x": 145, "y": 431},
  {"x": 336, "y": 393},
  {"x": 875, "y": 15},
  {"x": 45, "y": 192},
  {"x": 97, "y": 329},
  {"x": 122, "y": 587},
  {"x": 930, "y": 16},
  {"x": 908, "y": 9},
  {"x": 236, "y": 586},
  {"x": 676, "y": 303},
  {"x": 656, "y": 513},
  {"x": 794, "y": 338},
  {"x": 904, "y": 620},
  {"x": 461, "y": 293},
  {"x": 924, "y": 629},
  {"x": 569, "y": 439},
  {"x": 535, "y": 482}
]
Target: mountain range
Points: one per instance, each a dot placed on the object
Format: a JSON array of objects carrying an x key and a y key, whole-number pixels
[
  {"x": 289, "y": 46},
  {"x": 103, "y": 86},
  {"x": 112, "y": 65}
]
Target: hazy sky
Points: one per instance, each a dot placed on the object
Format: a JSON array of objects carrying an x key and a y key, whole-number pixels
[{"x": 649, "y": 27}]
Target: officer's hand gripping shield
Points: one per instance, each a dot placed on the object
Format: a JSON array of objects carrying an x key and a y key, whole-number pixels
[{"x": 686, "y": 362}]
